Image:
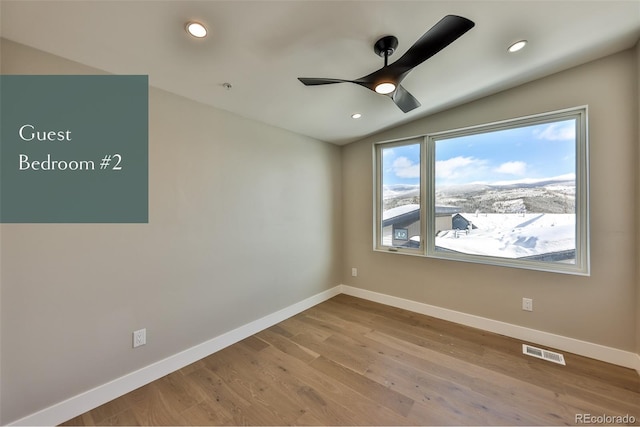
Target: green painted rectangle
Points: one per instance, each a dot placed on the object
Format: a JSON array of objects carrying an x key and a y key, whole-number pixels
[{"x": 74, "y": 149}]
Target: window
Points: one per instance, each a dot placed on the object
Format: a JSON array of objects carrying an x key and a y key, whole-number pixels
[
  {"x": 512, "y": 193},
  {"x": 399, "y": 210}
]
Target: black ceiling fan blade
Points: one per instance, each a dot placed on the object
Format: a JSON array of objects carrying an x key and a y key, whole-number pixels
[
  {"x": 404, "y": 100},
  {"x": 366, "y": 81},
  {"x": 311, "y": 81},
  {"x": 441, "y": 35}
]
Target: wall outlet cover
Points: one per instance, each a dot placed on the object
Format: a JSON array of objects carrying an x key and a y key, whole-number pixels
[{"x": 139, "y": 337}]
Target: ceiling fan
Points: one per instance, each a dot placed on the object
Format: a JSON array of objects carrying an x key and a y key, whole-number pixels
[{"x": 387, "y": 79}]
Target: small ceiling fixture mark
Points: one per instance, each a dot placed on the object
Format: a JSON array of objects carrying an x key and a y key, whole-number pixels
[
  {"x": 227, "y": 85},
  {"x": 196, "y": 29},
  {"x": 519, "y": 45},
  {"x": 356, "y": 115}
]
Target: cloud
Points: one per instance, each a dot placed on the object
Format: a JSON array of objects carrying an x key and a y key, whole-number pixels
[
  {"x": 561, "y": 131},
  {"x": 512, "y": 168},
  {"x": 388, "y": 153},
  {"x": 456, "y": 167},
  {"x": 405, "y": 168}
]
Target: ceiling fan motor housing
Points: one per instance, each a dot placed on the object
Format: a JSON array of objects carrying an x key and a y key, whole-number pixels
[{"x": 386, "y": 46}]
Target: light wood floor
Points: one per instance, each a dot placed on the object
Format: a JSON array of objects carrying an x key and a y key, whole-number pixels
[{"x": 349, "y": 361}]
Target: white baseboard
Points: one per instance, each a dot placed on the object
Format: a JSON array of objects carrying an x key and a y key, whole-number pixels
[
  {"x": 582, "y": 348},
  {"x": 88, "y": 400},
  {"x": 95, "y": 397}
]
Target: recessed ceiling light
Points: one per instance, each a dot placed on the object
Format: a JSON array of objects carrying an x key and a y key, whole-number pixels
[
  {"x": 356, "y": 115},
  {"x": 385, "y": 88},
  {"x": 196, "y": 29},
  {"x": 517, "y": 46}
]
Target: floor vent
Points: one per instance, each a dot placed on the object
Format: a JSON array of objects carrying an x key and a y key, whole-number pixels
[{"x": 551, "y": 356}]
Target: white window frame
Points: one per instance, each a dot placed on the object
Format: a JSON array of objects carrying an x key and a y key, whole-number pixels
[
  {"x": 377, "y": 195},
  {"x": 427, "y": 193}
]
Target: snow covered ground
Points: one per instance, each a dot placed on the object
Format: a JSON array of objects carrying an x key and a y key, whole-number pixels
[
  {"x": 512, "y": 235},
  {"x": 399, "y": 210}
]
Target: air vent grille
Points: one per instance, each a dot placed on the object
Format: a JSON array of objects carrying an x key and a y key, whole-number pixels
[{"x": 551, "y": 356}]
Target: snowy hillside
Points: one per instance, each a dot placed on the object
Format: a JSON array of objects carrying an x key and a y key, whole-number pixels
[
  {"x": 399, "y": 195},
  {"x": 552, "y": 195},
  {"x": 546, "y": 196},
  {"x": 532, "y": 219},
  {"x": 400, "y": 191},
  {"x": 512, "y": 235}
]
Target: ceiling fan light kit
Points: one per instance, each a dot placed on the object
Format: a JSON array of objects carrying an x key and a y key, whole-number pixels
[
  {"x": 386, "y": 80},
  {"x": 385, "y": 88}
]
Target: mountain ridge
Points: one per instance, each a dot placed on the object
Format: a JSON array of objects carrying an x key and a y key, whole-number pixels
[{"x": 552, "y": 195}]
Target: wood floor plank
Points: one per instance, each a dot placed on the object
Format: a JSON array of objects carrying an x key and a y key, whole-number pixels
[
  {"x": 127, "y": 417},
  {"x": 175, "y": 393},
  {"x": 409, "y": 328},
  {"x": 85, "y": 419},
  {"x": 241, "y": 374},
  {"x": 218, "y": 395},
  {"x": 207, "y": 412},
  {"x": 108, "y": 410},
  {"x": 350, "y": 361},
  {"x": 335, "y": 322},
  {"x": 192, "y": 367},
  {"x": 357, "y": 362},
  {"x": 383, "y": 395},
  {"x": 155, "y": 405},
  {"x": 410, "y": 375},
  {"x": 272, "y": 370},
  {"x": 534, "y": 401},
  {"x": 355, "y": 409},
  {"x": 286, "y": 345},
  {"x": 450, "y": 397},
  {"x": 295, "y": 326},
  {"x": 305, "y": 394}
]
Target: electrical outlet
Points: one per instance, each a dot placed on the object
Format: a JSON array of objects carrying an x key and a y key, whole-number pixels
[
  {"x": 139, "y": 337},
  {"x": 354, "y": 272},
  {"x": 527, "y": 304}
]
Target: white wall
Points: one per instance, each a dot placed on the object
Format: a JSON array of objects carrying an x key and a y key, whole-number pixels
[
  {"x": 244, "y": 219},
  {"x": 638, "y": 200},
  {"x": 599, "y": 309}
]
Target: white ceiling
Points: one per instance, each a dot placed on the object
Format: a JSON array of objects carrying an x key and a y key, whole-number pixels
[{"x": 261, "y": 47}]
